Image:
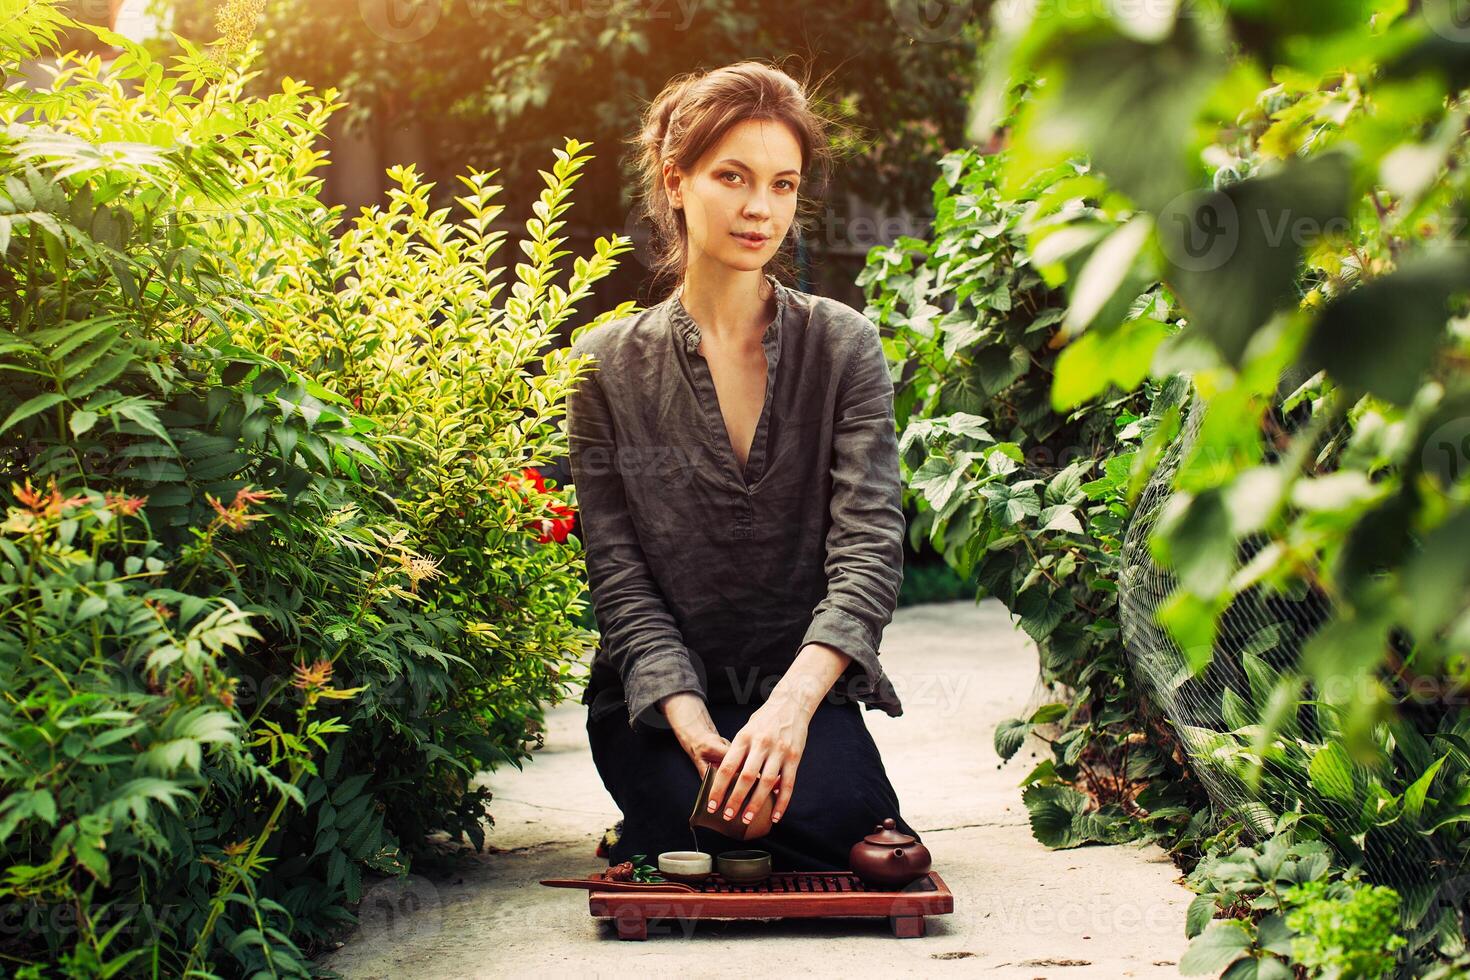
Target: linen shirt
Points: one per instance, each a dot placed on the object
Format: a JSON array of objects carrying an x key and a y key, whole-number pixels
[{"x": 710, "y": 577}]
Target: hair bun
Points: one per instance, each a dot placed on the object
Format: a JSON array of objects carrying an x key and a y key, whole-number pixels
[{"x": 666, "y": 110}]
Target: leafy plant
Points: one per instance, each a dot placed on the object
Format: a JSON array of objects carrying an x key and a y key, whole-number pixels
[
  {"x": 1030, "y": 503},
  {"x": 1290, "y": 181},
  {"x": 495, "y": 82},
  {"x": 1348, "y": 935},
  {"x": 1283, "y": 906},
  {"x": 643, "y": 871},
  {"x": 406, "y": 315},
  {"x": 263, "y": 616}
]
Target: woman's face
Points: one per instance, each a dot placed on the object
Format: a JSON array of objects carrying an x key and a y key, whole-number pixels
[{"x": 745, "y": 185}]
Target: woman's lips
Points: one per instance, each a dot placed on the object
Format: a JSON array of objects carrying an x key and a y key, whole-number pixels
[{"x": 750, "y": 242}]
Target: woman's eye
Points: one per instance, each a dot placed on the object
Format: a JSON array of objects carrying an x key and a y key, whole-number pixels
[{"x": 790, "y": 185}]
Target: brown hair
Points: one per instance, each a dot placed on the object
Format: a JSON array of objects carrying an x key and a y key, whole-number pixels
[{"x": 692, "y": 114}]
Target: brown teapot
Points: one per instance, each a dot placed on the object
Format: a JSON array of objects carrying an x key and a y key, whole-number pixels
[{"x": 888, "y": 858}]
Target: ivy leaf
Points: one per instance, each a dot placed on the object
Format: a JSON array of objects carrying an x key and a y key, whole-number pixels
[
  {"x": 1041, "y": 609},
  {"x": 1010, "y": 505},
  {"x": 1061, "y": 517},
  {"x": 997, "y": 368},
  {"x": 937, "y": 480},
  {"x": 1066, "y": 486}
]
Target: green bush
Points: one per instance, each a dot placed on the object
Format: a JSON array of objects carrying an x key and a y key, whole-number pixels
[
  {"x": 1284, "y": 907},
  {"x": 1344, "y": 935},
  {"x": 278, "y": 577},
  {"x": 1291, "y": 179},
  {"x": 1030, "y": 503}
]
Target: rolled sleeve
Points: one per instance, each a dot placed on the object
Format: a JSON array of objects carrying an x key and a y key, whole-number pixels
[
  {"x": 639, "y": 634},
  {"x": 864, "y": 544}
]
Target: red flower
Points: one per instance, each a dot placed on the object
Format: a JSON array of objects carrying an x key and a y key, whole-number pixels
[
  {"x": 557, "y": 529},
  {"x": 551, "y": 528},
  {"x": 528, "y": 478}
]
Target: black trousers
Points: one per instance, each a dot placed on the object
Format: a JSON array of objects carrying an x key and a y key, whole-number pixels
[{"x": 842, "y": 791}]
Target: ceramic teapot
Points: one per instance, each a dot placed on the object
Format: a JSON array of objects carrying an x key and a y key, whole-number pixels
[{"x": 888, "y": 858}]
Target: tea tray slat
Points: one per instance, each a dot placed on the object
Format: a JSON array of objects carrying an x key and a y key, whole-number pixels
[{"x": 785, "y": 894}]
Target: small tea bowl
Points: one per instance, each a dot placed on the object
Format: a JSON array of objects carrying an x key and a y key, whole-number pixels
[
  {"x": 689, "y": 867},
  {"x": 745, "y": 867}
]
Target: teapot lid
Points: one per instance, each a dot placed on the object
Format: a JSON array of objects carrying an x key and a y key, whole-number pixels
[{"x": 887, "y": 833}]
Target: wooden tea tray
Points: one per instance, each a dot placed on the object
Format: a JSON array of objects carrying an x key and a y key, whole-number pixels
[{"x": 784, "y": 895}]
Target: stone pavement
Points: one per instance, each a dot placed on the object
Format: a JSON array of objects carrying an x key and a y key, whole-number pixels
[{"x": 1020, "y": 910}]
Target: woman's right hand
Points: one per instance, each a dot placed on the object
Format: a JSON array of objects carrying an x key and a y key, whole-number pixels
[{"x": 692, "y": 725}]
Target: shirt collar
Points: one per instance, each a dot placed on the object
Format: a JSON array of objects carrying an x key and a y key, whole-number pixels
[{"x": 688, "y": 331}]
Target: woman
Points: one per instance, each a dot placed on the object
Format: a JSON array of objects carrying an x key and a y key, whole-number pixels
[{"x": 736, "y": 466}]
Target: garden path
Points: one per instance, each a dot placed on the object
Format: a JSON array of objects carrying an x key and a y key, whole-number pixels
[{"x": 1020, "y": 910}]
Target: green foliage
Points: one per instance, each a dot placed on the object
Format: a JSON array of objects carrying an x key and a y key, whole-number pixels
[
  {"x": 643, "y": 871},
  {"x": 266, "y": 607},
  {"x": 1350, "y": 936},
  {"x": 494, "y": 82},
  {"x": 406, "y": 314},
  {"x": 1248, "y": 886},
  {"x": 1030, "y": 503},
  {"x": 933, "y": 582},
  {"x": 1288, "y": 181},
  {"x": 1322, "y": 227},
  {"x": 1284, "y": 905}
]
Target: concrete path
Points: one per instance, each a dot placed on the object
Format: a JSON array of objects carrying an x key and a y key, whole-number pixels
[{"x": 1020, "y": 910}]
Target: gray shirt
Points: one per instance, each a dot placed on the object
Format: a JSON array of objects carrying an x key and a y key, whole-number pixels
[{"x": 710, "y": 578}]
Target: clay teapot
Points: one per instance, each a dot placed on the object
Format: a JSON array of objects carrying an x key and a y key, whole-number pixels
[{"x": 888, "y": 858}]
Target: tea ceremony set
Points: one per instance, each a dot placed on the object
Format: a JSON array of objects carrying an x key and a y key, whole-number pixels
[{"x": 890, "y": 876}]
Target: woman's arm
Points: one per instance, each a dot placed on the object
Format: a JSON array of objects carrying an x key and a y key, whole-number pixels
[
  {"x": 864, "y": 562},
  {"x": 639, "y": 633},
  {"x": 864, "y": 566}
]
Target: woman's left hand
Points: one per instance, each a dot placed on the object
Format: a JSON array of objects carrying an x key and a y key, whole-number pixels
[{"x": 763, "y": 756}]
